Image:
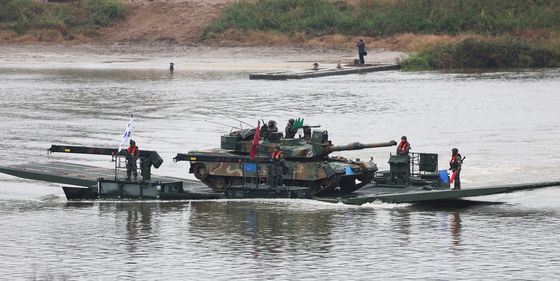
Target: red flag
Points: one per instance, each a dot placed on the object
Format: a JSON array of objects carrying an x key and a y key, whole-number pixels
[{"x": 256, "y": 139}]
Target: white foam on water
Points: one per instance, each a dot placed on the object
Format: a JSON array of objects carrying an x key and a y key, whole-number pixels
[{"x": 384, "y": 205}]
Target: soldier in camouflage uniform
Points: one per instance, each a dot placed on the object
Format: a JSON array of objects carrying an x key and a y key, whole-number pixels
[
  {"x": 276, "y": 172},
  {"x": 290, "y": 131},
  {"x": 268, "y": 129},
  {"x": 132, "y": 154},
  {"x": 455, "y": 165}
]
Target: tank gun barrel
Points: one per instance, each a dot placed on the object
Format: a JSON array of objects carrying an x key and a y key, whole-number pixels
[{"x": 359, "y": 145}]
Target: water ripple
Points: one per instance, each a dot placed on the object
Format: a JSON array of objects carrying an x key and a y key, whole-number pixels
[{"x": 502, "y": 121}]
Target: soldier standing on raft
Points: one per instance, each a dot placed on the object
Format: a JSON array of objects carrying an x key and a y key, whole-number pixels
[
  {"x": 131, "y": 157},
  {"x": 361, "y": 50},
  {"x": 403, "y": 159},
  {"x": 277, "y": 170},
  {"x": 455, "y": 166},
  {"x": 404, "y": 147}
]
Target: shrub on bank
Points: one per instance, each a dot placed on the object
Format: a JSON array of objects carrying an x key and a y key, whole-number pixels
[
  {"x": 22, "y": 15},
  {"x": 416, "y": 62},
  {"x": 497, "y": 53},
  {"x": 101, "y": 12}
]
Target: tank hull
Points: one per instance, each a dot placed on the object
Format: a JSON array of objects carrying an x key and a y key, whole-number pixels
[{"x": 219, "y": 169}]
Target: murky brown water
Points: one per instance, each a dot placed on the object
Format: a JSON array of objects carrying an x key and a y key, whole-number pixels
[{"x": 506, "y": 123}]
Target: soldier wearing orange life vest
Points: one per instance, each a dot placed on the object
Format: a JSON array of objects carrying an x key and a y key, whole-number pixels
[
  {"x": 455, "y": 165},
  {"x": 404, "y": 146},
  {"x": 276, "y": 172},
  {"x": 276, "y": 154},
  {"x": 131, "y": 157}
]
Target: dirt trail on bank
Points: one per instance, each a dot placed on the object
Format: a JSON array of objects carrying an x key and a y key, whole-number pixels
[
  {"x": 158, "y": 32},
  {"x": 186, "y": 58},
  {"x": 176, "y": 21}
]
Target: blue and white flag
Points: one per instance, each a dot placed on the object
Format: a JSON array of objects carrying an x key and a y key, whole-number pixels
[{"x": 127, "y": 133}]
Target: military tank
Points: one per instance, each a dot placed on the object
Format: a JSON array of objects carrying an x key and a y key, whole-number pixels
[{"x": 305, "y": 161}]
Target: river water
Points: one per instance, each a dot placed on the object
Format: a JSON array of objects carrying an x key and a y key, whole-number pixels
[{"x": 505, "y": 123}]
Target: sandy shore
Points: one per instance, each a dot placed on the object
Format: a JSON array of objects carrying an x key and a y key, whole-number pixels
[{"x": 192, "y": 58}]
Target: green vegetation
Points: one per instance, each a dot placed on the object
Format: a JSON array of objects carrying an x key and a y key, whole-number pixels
[
  {"x": 24, "y": 15},
  {"x": 496, "y": 53},
  {"x": 416, "y": 62},
  {"x": 389, "y": 17},
  {"x": 516, "y": 33}
]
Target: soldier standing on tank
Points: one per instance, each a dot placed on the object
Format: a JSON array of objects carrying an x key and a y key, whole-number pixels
[
  {"x": 404, "y": 147},
  {"x": 272, "y": 128},
  {"x": 306, "y": 132},
  {"x": 290, "y": 131},
  {"x": 132, "y": 154},
  {"x": 455, "y": 165},
  {"x": 268, "y": 129}
]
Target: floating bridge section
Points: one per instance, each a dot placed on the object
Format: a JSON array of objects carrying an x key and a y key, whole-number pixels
[
  {"x": 89, "y": 176},
  {"x": 321, "y": 72}
]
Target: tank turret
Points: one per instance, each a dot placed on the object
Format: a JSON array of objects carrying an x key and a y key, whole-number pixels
[{"x": 319, "y": 146}]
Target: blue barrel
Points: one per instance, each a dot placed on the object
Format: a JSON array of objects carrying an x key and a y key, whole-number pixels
[
  {"x": 443, "y": 176},
  {"x": 250, "y": 168}
]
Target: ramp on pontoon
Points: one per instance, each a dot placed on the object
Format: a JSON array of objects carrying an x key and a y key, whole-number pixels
[
  {"x": 412, "y": 194},
  {"x": 88, "y": 176}
]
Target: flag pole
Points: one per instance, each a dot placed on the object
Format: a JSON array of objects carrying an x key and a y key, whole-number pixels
[{"x": 254, "y": 150}]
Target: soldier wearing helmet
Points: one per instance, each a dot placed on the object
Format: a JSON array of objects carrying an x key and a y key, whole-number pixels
[
  {"x": 132, "y": 154},
  {"x": 290, "y": 130},
  {"x": 455, "y": 165},
  {"x": 268, "y": 129},
  {"x": 272, "y": 126}
]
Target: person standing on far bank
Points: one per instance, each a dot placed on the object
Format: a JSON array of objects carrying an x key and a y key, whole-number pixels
[{"x": 361, "y": 50}]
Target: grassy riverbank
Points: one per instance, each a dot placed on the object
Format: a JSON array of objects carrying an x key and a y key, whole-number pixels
[
  {"x": 389, "y": 17},
  {"x": 437, "y": 33},
  {"x": 500, "y": 33},
  {"x": 58, "y": 19}
]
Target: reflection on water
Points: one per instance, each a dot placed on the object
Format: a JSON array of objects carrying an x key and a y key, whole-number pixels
[
  {"x": 294, "y": 239},
  {"x": 496, "y": 120},
  {"x": 455, "y": 225}
]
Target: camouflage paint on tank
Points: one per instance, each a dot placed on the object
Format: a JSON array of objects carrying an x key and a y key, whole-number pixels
[
  {"x": 310, "y": 171},
  {"x": 305, "y": 161},
  {"x": 231, "y": 169}
]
